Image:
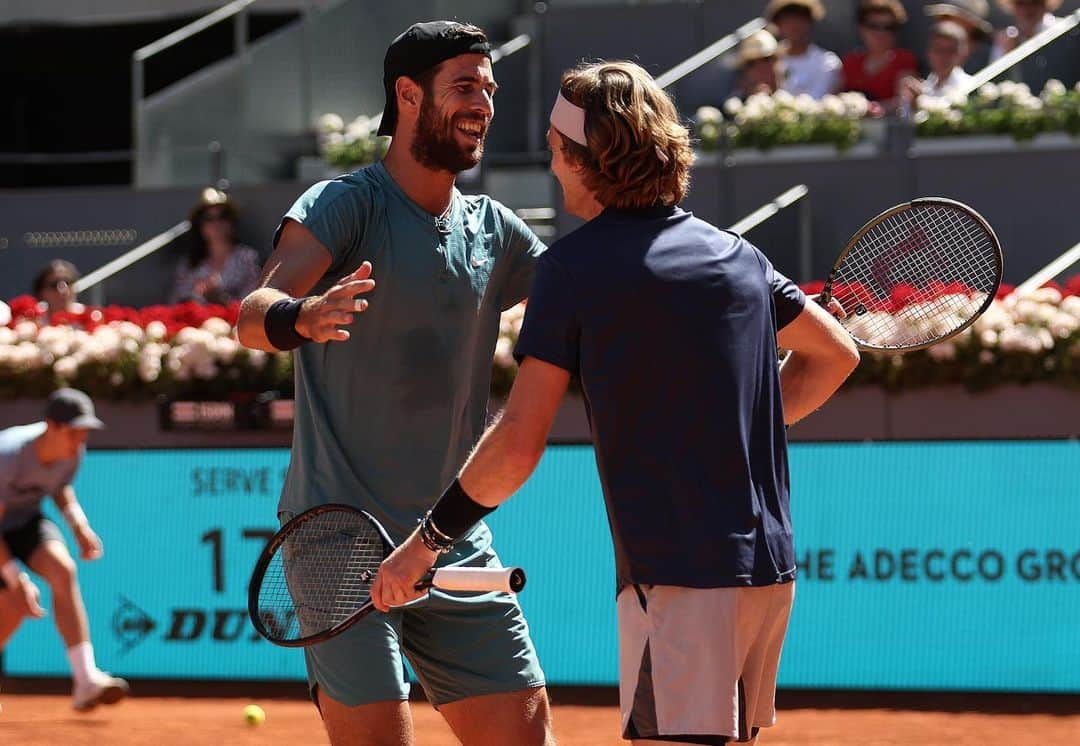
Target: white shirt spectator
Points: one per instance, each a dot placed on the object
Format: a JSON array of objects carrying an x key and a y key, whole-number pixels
[
  {"x": 932, "y": 86},
  {"x": 816, "y": 72}
]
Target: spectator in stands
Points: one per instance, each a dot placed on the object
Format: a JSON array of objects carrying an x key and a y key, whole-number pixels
[
  {"x": 758, "y": 64},
  {"x": 54, "y": 287},
  {"x": 807, "y": 67},
  {"x": 1059, "y": 60},
  {"x": 1031, "y": 17},
  {"x": 946, "y": 49},
  {"x": 972, "y": 16},
  {"x": 878, "y": 68},
  {"x": 217, "y": 268}
]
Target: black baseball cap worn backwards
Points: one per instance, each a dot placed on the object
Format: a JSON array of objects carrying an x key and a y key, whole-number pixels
[{"x": 421, "y": 47}]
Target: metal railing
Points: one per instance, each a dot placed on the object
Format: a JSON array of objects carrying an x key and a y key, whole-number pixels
[
  {"x": 93, "y": 280},
  {"x": 797, "y": 194},
  {"x": 1022, "y": 52},
  {"x": 1050, "y": 271},
  {"x": 237, "y": 11},
  {"x": 709, "y": 53}
]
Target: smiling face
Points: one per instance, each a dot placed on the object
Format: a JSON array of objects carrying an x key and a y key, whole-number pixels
[{"x": 455, "y": 113}]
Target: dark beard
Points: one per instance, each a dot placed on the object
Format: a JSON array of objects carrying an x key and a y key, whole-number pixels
[{"x": 434, "y": 146}]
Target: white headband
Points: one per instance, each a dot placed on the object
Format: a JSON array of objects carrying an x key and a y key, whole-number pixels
[{"x": 569, "y": 120}]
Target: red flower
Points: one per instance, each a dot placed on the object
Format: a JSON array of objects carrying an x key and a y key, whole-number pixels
[
  {"x": 1005, "y": 289},
  {"x": 24, "y": 307}
]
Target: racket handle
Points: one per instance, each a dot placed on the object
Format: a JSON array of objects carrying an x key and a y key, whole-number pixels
[{"x": 510, "y": 579}]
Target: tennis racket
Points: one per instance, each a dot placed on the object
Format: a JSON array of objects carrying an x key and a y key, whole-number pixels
[
  {"x": 915, "y": 275},
  {"x": 313, "y": 579}
]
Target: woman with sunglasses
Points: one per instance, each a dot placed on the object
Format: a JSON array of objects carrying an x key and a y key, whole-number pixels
[
  {"x": 877, "y": 68},
  {"x": 54, "y": 287},
  {"x": 218, "y": 269}
]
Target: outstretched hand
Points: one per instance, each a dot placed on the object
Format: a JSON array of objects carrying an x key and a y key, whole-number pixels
[{"x": 321, "y": 316}]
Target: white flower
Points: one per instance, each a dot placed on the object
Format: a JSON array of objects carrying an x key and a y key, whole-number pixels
[
  {"x": 257, "y": 359},
  {"x": 7, "y": 336},
  {"x": 783, "y": 98},
  {"x": 710, "y": 114},
  {"x": 806, "y": 104},
  {"x": 731, "y": 107},
  {"x": 149, "y": 370},
  {"x": 330, "y": 122},
  {"x": 856, "y": 104},
  {"x": 1046, "y": 295},
  {"x": 989, "y": 92},
  {"x": 218, "y": 327},
  {"x": 1070, "y": 305},
  {"x": 156, "y": 330},
  {"x": 1054, "y": 88},
  {"x": 116, "y": 378},
  {"x": 988, "y": 338},
  {"x": 26, "y": 330},
  {"x": 66, "y": 367},
  {"x": 225, "y": 349},
  {"x": 128, "y": 330},
  {"x": 833, "y": 105}
]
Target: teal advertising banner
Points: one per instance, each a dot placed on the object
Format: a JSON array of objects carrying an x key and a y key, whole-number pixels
[{"x": 946, "y": 565}]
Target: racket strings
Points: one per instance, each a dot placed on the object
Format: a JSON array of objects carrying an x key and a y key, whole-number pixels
[
  {"x": 320, "y": 575},
  {"x": 917, "y": 276}
]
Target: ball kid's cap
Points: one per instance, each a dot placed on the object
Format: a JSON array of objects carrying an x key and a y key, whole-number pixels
[
  {"x": 421, "y": 47},
  {"x": 72, "y": 407}
]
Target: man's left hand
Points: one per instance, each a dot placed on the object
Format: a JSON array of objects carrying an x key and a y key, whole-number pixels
[
  {"x": 399, "y": 573},
  {"x": 89, "y": 544}
]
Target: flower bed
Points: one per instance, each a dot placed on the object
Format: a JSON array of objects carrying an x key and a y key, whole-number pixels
[
  {"x": 349, "y": 146},
  {"x": 765, "y": 121},
  {"x": 1006, "y": 108},
  {"x": 189, "y": 351}
]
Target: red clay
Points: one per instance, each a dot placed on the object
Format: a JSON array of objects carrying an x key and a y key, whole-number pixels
[{"x": 47, "y": 720}]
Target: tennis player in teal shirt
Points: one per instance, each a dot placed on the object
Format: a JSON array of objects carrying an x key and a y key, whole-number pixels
[{"x": 389, "y": 404}]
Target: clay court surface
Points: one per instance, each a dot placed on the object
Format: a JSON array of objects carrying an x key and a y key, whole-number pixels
[{"x": 582, "y": 718}]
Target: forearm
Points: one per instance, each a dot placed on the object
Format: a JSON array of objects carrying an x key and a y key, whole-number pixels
[
  {"x": 807, "y": 382},
  {"x": 68, "y": 505},
  {"x": 250, "y": 327},
  {"x": 501, "y": 463}
]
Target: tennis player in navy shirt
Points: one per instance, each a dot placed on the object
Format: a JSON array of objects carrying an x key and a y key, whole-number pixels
[{"x": 672, "y": 327}]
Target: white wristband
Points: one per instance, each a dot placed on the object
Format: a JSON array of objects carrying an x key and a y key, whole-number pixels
[
  {"x": 10, "y": 572},
  {"x": 74, "y": 515}
]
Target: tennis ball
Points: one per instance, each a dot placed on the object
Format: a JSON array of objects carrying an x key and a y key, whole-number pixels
[{"x": 254, "y": 715}]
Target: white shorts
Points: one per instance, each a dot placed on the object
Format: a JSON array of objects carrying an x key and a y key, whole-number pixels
[{"x": 698, "y": 665}]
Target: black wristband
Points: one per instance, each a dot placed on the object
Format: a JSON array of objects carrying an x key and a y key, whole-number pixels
[
  {"x": 280, "y": 323},
  {"x": 456, "y": 512}
]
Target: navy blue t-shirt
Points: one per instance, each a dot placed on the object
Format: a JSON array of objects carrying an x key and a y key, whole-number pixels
[{"x": 670, "y": 324}]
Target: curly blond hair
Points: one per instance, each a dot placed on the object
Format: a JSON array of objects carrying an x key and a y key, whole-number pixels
[{"x": 639, "y": 153}]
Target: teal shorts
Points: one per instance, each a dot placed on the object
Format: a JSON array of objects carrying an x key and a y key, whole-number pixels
[{"x": 458, "y": 644}]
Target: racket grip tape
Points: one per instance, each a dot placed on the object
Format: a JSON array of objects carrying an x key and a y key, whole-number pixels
[{"x": 509, "y": 579}]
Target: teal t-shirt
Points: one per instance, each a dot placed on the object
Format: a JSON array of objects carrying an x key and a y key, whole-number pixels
[{"x": 385, "y": 419}]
